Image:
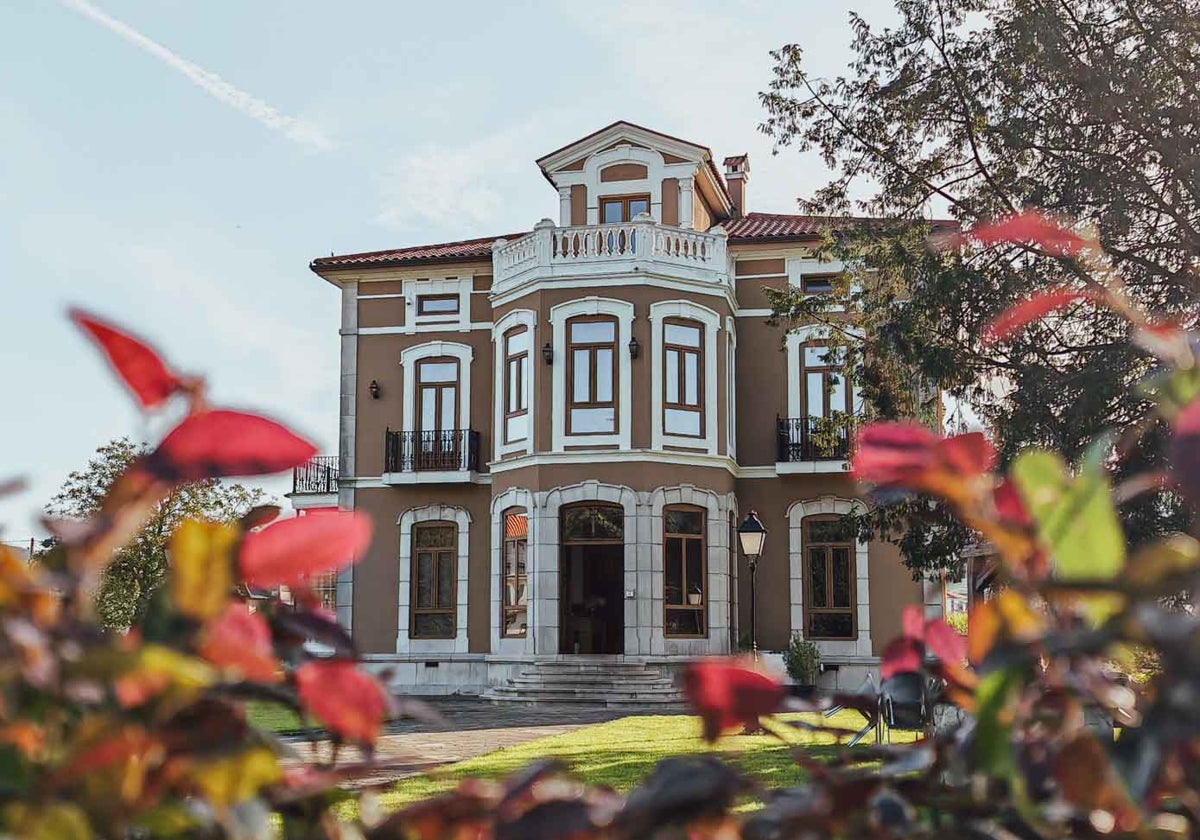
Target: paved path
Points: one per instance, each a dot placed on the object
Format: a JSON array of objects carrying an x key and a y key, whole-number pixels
[{"x": 473, "y": 728}]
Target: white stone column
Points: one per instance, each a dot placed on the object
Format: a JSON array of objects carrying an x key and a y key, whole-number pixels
[
  {"x": 564, "y": 206},
  {"x": 685, "y": 203},
  {"x": 344, "y": 593}
]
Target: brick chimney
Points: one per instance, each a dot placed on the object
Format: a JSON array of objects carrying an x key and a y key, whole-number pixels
[{"x": 737, "y": 174}]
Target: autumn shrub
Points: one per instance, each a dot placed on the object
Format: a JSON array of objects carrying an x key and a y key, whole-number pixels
[{"x": 145, "y": 735}]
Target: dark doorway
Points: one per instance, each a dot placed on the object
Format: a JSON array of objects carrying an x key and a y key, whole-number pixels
[{"x": 592, "y": 576}]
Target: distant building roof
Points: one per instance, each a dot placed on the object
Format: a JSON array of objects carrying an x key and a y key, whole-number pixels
[
  {"x": 766, "y": 227},
  {"x": 464, "y": 249}
]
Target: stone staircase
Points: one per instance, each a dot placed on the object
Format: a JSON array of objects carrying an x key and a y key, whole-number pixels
[{"x": 590, "y": 680}]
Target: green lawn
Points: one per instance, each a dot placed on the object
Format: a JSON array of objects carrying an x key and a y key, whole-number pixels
[
  {"x": 273, "y": 717},
  {"x": 622, "y": 752}
]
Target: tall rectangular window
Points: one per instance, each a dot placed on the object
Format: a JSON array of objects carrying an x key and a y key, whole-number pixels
[
  {"x": 829, "y": 578},
  {"x": 437, "y": 388},
  {"x": 515, "y": 583},
  {"x": 685, "y": 593},
  {"x": 434, "y": 580},
  {"x": 516, "y": 378},
  {"x": 824, "y": 391},
  {"x": 591, "y": 376},
  {"x": 683, "y": 380}
]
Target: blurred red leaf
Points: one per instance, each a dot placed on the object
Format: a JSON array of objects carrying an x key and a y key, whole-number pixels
[
  {"x": 727, "y": 694},
  {"x": 215, "y": 444},
  {"x": 893, "y": 453},
  {"x": 291, "y": 550},
  {"x": 240, "y": 641},
  {"x": 968, "y": 454},
  {"x": 1009, "y": 506},
  {"x": 901, "y": 656},
  {"x": 1030, "y": 226},
  {"x": 347, "y": 701},
  {"x": 943, "y": 642},
  {"x": 912, "y": 622},
  {"x": 135, "y": 362},
  {"x": 1027, "y": 311}
]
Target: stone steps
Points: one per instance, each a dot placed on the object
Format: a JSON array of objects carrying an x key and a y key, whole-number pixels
[{"x": 611, "y": 683}]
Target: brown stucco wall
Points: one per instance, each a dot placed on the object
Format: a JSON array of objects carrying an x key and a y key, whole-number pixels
[
  {"x": 578, "y": 204},
  {"x": 377, "y": 575},
  {"x": 701, "y": 214},
  {"x": 670, "y": 201},
  {"x": 388, "y": 312},
  {"x": 762, "y": 389},
  {"x": 623, "y": 172}
]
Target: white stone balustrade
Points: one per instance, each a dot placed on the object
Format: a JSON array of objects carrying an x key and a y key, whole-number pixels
[{"x": 591, "y": 250}]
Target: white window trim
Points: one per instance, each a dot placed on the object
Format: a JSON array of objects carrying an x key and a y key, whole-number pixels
[
  {"x": 432, "y": 349},
  {"x": 433, "y": 513},
  {"x": 795, "y": 344},
  {"x": 460, "y": 286},
  {"x": 516, "y": 318},
  {"x": 622, "y": 310},
  {"x": 712, "y": 323},
  {"x": 860, "y": 645},
  {"x": 730, "y": 388},
  {"x": 510, "y": 498}
]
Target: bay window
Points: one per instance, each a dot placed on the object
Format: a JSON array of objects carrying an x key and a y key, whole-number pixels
[
  {"x": 516, "y": 375},
  {"x": 683, "y": 365},
  {"x": 514, "y": 584},
  {"x": 685, "y": 592}
]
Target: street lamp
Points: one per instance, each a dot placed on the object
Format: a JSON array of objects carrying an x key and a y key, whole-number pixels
[{"x": 752, "y": 536}]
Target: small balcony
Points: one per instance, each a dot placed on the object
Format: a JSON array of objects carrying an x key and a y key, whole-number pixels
[
  {"x": 318, "y": 476},
  {"x": 448, "y": 455},
  {"x": 642, "y": 245},
  {"x": 808, "y": 444}
]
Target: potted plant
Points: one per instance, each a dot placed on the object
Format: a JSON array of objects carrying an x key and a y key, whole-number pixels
[
  {"x": 802, "y": 659},
  {"x": 695, "y": 596}
]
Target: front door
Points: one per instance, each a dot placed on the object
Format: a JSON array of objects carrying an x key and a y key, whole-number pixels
[
  {"x": 591, "y": 580},
  {"x": 437, "y": 412}
]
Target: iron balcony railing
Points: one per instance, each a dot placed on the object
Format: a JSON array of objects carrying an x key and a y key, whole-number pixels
[
  {"x": 450, "y": 449},
  {"x": 810, "y": 439},
  {"x": 319, "y": 475}
]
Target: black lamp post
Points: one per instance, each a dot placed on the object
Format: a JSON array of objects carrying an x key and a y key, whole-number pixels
[{"x": 752, "y": 536}]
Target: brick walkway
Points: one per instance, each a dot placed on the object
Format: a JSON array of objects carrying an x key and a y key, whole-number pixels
[{"x": 473, "y": 728}]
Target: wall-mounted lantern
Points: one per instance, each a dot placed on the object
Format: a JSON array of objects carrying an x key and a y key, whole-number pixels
[
  {"x": 548, "y": 353},
  {"x": 374, "y": 389},
  {"x": 634, "y": 347}
]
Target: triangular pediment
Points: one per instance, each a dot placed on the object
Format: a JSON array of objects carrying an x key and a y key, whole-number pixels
[{"x": 571, "y": 157}]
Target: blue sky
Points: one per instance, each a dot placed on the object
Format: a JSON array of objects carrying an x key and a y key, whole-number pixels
[{"x": 174, "y": 165}]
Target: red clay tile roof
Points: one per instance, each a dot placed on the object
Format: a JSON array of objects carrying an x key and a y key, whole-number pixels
[
  {"x": 465, "y": 249},
  {"x": 765, "y": 227}
]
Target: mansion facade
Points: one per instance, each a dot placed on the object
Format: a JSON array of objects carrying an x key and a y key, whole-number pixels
[{"x": 558, "y": 431}]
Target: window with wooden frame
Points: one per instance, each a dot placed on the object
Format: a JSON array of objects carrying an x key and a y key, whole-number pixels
[
  {"x": 434, "y": 580},
  {"x": 514, "y": 584},
  {"x": 324, "y": 586},
  {"x": 685, "y": 592},
  {"x": 592, "y": 375},
  {"x": 622, "y": 208},
  {"x": 823, "y": 386},
  {"x": 817, "y": 284},
  {"x": 516, "y": 377},
  {"x": 683, "y": 378},
  {"x": 437, "y": 305},
  {"x": 830, "y": 579}
]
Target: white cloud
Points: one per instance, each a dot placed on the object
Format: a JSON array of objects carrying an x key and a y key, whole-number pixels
[
  {"x": 465, "y": 188},
  {"x": 297, "y": 130}
]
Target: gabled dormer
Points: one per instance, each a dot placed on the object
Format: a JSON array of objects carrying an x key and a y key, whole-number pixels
[{"x": 622, "y": 170}]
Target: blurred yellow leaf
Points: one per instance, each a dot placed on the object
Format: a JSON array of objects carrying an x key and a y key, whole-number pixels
[
  {"x": 235, "y": 778},
  {"x": 158, "y": 669},
  {"x": 1170, "y": 556},
  {"x": 202, "y": 567},
  {"x": 59, "y": 821}
]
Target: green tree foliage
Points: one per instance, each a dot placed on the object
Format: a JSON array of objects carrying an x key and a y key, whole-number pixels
[
  {"x": 977, "y": 109},
  {"x": 140, "y": 567}
]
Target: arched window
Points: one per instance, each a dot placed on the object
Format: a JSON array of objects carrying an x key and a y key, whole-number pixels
[
  {"x": 683, "y": 378},
  {"x": 434, "y": 580},
  {"x": 516, "y": 376},
  {"x": 592, "y": 375},
  {"x": 830, "y": 579},
  {"x": 685, "y": 591},
  {"x": 514, "y": 584}
]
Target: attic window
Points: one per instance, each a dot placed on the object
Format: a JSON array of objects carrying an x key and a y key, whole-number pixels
[
  {"x": 437, "y": 304},
  {"x": 817, "y": 284}
]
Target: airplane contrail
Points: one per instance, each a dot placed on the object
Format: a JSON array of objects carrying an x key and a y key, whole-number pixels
[{"x": 294, "y": 129}]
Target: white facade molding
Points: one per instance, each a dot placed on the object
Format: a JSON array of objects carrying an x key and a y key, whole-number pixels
[
  {"x": 511, "y": 498},
  {"x": 433, "y": 513},
  {"x": 515, "y": 318},
  {"x": 347, "y": 424},
  {"x": 687, "y": 207},
  {"x": 628, "y": 456},
  {"x": 711, "y": 321},
  {"x": 731, "y": 387},
  {"x": 432, "y": 350},
  {"x": 648, "y": 274},
  {"x": 861, "y": 645},
  {"x": 460, "y": 285},
  {"x": 622, "y": 311}
]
